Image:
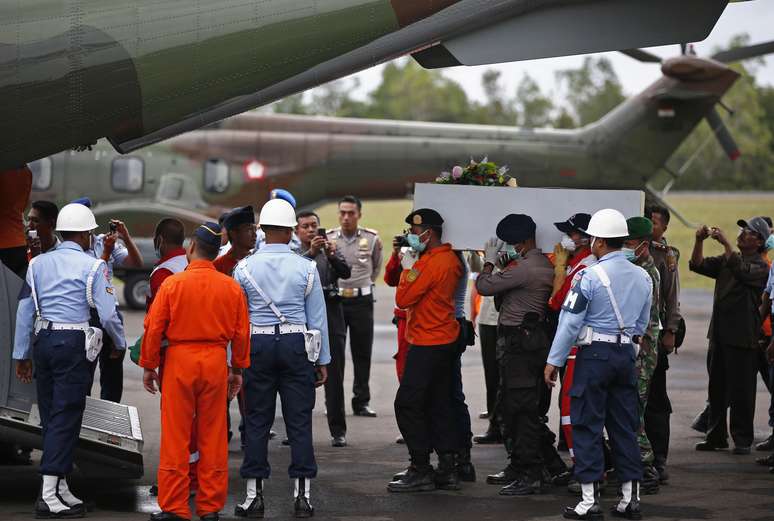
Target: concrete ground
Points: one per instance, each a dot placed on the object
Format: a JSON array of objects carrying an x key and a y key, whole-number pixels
[{"x": 351, "y": 482}]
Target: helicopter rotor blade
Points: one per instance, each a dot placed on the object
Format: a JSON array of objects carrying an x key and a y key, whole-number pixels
[
  {"x": 743, "y": 53},
  {"x": 641, "y": 55}
]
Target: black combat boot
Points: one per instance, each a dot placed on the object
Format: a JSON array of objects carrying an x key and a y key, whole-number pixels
[
  {"x": 632, "y": 509},
  {"x": 465, "y": 469},
  {"x": 446, "y": 477},
  {"x": 529, "y": 484},
  {"x": 418, "y": 478},
  {"x": 591, "y": 494},
  {"x": 302, "y": 506},
  {"x": 252, "y": 506},
  {"x": 508, "y": 475}
]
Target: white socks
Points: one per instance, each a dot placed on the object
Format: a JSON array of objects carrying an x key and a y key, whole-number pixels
[
  {"x": 50, "y": 496},
  {"x": 66, "y": 495},
  {"x": 254, "y": 486},
  {"x": 587, "y": 499},
  {"x": 302, "y": 486},
  {"x": 629, "y": 493}
]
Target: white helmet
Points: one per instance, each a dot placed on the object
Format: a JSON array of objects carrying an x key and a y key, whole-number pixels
[
  {"x": 607, "y": 224},
  {"x": 75, "y": 217},
  {"x": 278, "y": 212}
]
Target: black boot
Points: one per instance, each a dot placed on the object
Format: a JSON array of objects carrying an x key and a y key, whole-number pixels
[
  {"x": 252, "y": 507},
  {"x": 446, "y": 477},
  {"x": 650, "y": 480},
  {"x": 767, "y": 444},
  {"x": 595, "y": 512},
  {"x": 50, "y": 503},
  {"x": 632, "y": 510},
  {"x": 529, "y": 484},
  {"x": 465, "y": 469},
  {"x": 504, "y": 477},
  {"x": 302, "y": 506},
  {"x": 418, "y": 478},
  {"x": 490, "y": 437}
]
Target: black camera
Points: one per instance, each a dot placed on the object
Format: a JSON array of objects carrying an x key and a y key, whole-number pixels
[
  {"x": 113, "y": 227},
  {"x": 402, "y": 241}
]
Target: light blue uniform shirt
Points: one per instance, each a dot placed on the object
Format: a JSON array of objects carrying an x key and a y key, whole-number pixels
[
  {"x": 117, "y": 258},
  {"x": 60, "y": 284},
  {"x": 770, "y": 286},
  {"x": 588, "y": 304},
  {"x": 283, "y": 276}
]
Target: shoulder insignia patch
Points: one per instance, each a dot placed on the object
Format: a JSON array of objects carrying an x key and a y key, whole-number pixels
[
  {"x": 574, "y": 302},
  {"x": 576, "y": 279},
  {"x": 370, "y": 230},
  {"x": 412, "y": 275}
]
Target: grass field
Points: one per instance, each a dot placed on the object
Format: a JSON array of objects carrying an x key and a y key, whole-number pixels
[{"x": 713, "y": 209}]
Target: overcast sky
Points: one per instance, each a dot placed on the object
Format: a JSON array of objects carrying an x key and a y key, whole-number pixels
[{"x": 755, "y": 18}]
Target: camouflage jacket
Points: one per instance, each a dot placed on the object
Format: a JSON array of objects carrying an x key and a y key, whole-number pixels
[{"x": 654, "y": 324}]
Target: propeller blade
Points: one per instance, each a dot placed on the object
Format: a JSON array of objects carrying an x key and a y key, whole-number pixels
[
  {"x": 742, "y": 53},
  {"x": 683, "y": 47},
  {"x": 640, "y": 55},
  {"x": 722, "y": 134}
]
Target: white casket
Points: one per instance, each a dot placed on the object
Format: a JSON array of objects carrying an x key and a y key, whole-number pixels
[{"x": 471, "y": 213}]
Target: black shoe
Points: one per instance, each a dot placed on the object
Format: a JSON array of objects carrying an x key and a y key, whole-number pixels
[
  {"x": 488, "y": 438},
  {"x": 400, "y": 475},
  {"x": 561, "y": 479},
  {"x": 700, "y": 423},
  {"x": 366, "y": 412},
  {"x": 286, "y": 441},
  {"x": 253, "y": 511},
  {"x": 629, "y": 513},
  {"x": 339, "y": 441},
  {"x": 446, "y": 477},
  {"x": 768, "y": 461},
  {"x": 767, "y": 444},
  {"x": 522, "y": 487},
  {"x": 741, "y": 451},
  {"x": 593, "y": 513},
  {"x": 166, "y": 516},
  {"x": 483, "y": 415},
  {"x": 416, "y": 479},
  {"x": 302, "y": 507},
  {"x": 708, "y": 446},
  {"x": 504, "y": 477},
  {"x": 400, "y": 441},
  {"x": 215, "y": 516},
  {"x": 42, "y": 512}
]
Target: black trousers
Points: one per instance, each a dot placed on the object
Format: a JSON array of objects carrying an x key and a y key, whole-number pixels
[
  {"x": 359, "y": 318},
  {"x": 111, "y": 370},
  {"x": 15, "y": 259},
  {"x": 732, "y": 383},
  {"x": 423, "y": 403},
  {"x": 488, "y": 337},
  {"x": 460, "y": 408},
  {"x": 659, "y": 409},
  {"x": 334, "y": 387}
]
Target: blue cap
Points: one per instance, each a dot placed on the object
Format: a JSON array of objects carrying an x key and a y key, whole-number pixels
[
  {"x": 209, "y": 233},
  {"x": 85, "y": 201},
  {"x": 279, "y": 193}
]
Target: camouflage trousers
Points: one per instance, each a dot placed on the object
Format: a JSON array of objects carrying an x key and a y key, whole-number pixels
[{"x": 646, "y": 365}]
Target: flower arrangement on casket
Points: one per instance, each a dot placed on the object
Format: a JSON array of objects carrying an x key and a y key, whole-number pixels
[{"x": 483, "y": 173}]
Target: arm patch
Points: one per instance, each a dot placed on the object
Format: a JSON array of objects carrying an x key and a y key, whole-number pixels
[{"x": 575, "y": 302}]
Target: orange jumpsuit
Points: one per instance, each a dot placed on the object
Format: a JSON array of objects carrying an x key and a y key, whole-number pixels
[{"x": 199, "y": 311}]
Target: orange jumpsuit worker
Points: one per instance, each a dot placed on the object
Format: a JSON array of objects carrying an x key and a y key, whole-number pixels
[{"x": 198, "y": 311}]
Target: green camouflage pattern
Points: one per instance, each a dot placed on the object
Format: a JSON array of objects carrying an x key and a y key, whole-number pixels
[{"x": 648, "y": 357}]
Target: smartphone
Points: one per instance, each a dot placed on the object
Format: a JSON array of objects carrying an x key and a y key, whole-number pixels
[
  {"x": 33, "y": 234},
  {"x": 322, "y": 233},
  {"x": 113, "y": 227}
]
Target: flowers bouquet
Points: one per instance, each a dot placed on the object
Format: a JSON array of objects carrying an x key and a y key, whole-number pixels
[{"x": 483, "y": 173}]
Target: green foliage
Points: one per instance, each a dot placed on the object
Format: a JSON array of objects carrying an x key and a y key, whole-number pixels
[{"x": 592, "y": 90}]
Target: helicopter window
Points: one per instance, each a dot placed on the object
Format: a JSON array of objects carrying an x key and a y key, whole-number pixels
[
  {"x": 127, "y": 174},
  {"x": 41, "y": 174},
  {"x": 216, "y": 176},
  {"x": 172, "y": 189}
]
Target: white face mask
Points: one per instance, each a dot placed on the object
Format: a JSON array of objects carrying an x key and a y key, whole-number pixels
[{"x": 568, "y": 244}]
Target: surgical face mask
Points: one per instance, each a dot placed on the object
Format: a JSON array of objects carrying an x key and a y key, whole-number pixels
[
  {"x": 512, "y": 253},
  {"x": 415, "y": 242},
  {"x": 630, "y": 254},
  {"x": 568, "y": 244},
  {"x": 770, "y": 242}
]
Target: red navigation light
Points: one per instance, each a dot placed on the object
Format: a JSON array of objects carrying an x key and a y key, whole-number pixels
[{"x": 254, "y": 170}]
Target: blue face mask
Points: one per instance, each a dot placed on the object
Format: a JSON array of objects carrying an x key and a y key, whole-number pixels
[
  {"x": 415, "y": 243},
  {"x": 770, "y": 242},
  {"x": 511, "y": 252},
  {"x": 629, "y": 254}
]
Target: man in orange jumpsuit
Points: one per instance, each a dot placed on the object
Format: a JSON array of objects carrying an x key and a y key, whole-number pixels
[{"x": 196, "y": 377}]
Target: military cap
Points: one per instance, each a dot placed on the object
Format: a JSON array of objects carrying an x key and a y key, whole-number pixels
[
  {"x": 576, "y": 223},
  {"x": 425, "y": 217},
  {"x": 756, "y": 224},
  {"x": 85, "y": 201},
  {"x": 516, "y": 227},
  {"x": 279, "y": 193},
  {"x": 639, "y": 227},
  {"x": 209, "y": 233},
  {"x": 239, "y": 216}
]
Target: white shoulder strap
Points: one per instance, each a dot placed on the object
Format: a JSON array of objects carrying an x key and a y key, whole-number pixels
[
  {"x": 90, "y": 282},
  {"x": 602, "y": 274},
  {"x": 310, "y": 278},
  {"x": 243, "y": 267},
  {"x": 32, "y": 286}
]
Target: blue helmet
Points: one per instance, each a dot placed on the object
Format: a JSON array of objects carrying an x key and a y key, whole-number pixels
[{"x": 280, "y": 193}]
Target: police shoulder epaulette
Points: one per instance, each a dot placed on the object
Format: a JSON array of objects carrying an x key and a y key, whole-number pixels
[
  {"x": 370, "y": 230},
  {"x": 333, "y": 230}
]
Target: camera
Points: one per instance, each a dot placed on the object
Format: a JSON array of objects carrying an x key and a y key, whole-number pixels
[
  {"x": 402, "y": 241},
  {"x": 113, "y": 227}
]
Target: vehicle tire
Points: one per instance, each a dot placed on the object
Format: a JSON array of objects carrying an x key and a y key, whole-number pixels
[{"x": 136, "y": 287}]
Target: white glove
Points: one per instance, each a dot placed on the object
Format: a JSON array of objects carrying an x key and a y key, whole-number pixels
[
  {"x": 408, "y": 259},
  {"x": 491, "y": 249}
]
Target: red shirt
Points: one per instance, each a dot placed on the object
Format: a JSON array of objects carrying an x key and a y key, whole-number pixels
[
  {"x": 575, "y": 264},
  {"x": 392, "y": 278},
  {"x": 160, "y": 275},
  {"x": 226, "y": 262}
]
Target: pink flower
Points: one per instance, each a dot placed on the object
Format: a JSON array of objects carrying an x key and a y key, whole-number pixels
[{"x": 456, "y": 172}]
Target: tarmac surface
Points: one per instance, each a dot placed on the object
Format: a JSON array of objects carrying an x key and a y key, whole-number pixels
[{"x": 351, "y": 481}]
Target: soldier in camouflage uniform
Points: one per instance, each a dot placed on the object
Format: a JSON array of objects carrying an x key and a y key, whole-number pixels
[{"x": 637, "y": 249}]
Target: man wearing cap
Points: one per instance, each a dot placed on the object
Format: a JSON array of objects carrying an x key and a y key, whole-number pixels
[
  {"x": 605, "y": 313},
  {"x": 241, "y": 232},
  {"x": 284, "y": 195},
  {"x": 522, "y": 289},
  {"x": 61, "y": 287},
  {"x": 197, "y": 381},
  {"x": 740, "y": 277},
  {"x": 362, "y": 249},
  {"x": 423, "y": 403},
  {"x": 289, "y": 351},
  {"x": 637, "y": 250}
]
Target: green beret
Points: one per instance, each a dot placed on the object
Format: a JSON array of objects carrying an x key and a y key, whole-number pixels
[{"x": 639, "y": 227}]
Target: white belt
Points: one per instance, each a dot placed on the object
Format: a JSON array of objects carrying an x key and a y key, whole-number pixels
[
  {"x": 61, "y": 326},
  {"x": 610, "y": 339},
  {"x": 282, "y": 329},
  {"x": 354, "y": 292}
]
